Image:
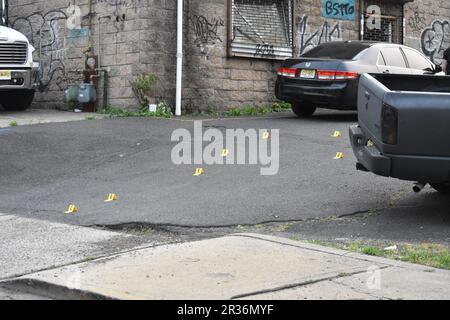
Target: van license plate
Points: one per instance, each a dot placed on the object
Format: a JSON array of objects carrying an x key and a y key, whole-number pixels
[
  {"x": 5, "y": 75},
  {"x": 308, "y": 74}
]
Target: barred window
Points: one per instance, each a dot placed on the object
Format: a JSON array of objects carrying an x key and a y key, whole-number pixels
[
  {"x": 391, "y": 21},
  {"x": 261, "y": 29}
]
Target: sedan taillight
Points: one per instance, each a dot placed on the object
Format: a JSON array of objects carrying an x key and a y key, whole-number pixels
[
  {"x": 287, "y": 72},
  {"x": 336, "y": 75},
  {"x": 344, "y": 75},
  {"x": 326, "y": 75}
]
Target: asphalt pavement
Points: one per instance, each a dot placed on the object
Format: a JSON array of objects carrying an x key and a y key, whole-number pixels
[{"x": 46, "y": 167}]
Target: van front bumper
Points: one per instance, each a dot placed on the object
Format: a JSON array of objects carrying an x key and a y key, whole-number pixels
[{"x": 21, "y": 79}]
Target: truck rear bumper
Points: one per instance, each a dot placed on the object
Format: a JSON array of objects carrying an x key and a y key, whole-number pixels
[
  {"x": 20, "y": 80},
  {"x": 404, "y": 167}
]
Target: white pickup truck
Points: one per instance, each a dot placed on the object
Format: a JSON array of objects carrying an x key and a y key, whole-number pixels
[{"x": 17, "y": 69}]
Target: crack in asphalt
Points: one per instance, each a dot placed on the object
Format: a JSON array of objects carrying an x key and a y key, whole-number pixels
[{"x": 165, "y": 227}]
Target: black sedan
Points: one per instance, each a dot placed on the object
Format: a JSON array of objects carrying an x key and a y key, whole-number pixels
[{"x": 327, "y": 76}]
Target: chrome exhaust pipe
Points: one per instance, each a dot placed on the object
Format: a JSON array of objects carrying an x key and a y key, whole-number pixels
[{"x": 419, "y": 186}]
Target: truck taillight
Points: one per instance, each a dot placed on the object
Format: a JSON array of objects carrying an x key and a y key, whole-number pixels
[
  {"x": 389, "y": 125},
  {"x": 287, "y": 72}
]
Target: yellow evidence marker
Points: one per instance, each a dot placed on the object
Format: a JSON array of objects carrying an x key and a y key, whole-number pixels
[
  {"x": 337, "y": 134},
  {"x": 266, "y": 135},
  {"x": 112, "y": 197},
  {"x": 72, "y": 209},
  {"x": 339, "y": 156},
  {"x": 225, "y": 152},
  {"x": 199, "y": 172}
]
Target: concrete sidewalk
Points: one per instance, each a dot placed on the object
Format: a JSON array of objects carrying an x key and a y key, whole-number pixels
[
  {"x": 243, "y": 266},
  {"x": 31, "y": 116}
]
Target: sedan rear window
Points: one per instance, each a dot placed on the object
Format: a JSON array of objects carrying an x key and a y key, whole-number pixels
[{"x": 337, "y": 50}]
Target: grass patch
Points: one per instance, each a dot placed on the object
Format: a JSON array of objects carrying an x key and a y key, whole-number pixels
[
  {"x": 234, "y": 112},
  {"x": 432, "y": 255},
  {"x": 255, "y": 111},
  {"x": 251, "y": 111},
  {"x": 90, "y": 118},
  {"x": 163, "y": 111},
  {"x": 428, "y": 254},
  {"x": 372, "y": 251},
  {"x": 13, "y": 124}
]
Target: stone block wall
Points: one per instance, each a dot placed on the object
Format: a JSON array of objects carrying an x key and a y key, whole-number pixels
[
  {"x": 428, "y": 27},
  {"x": 212, "y": 80},
  {"x": 139, "y": 36},
  {"x": 312, "y": 28},
  {"x": 136, "y": 36}
]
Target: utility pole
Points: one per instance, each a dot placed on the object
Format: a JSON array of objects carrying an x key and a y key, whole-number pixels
[{"x": 179, "y": 85}]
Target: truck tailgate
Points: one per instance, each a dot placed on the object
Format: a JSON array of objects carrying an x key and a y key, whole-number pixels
[
  {"x": 423, "y": 119},
  {"x": 423, "y": 122}
]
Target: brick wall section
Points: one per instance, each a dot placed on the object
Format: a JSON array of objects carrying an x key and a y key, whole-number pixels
[
  {"x": 137, "y": 36},
  {"x": 311, "y": 28},
  {"x": 212, "y": 81},
  {"x": 141, "y": 37},
  {"x": 428, "y": 27}
]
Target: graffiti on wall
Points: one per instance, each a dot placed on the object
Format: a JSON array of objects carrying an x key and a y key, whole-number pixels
[
  {"x": 46, "y": 33},
  {"x": 417, "y": 22},
  {"x": 264, "y": 51},
  {"x": 121, "y": 4},
  {"x": 53, "y": 33},
  {"x": 309, "y": 38},
  {"x": 206, "y": 32},
  {"x": 436, "y": 39},
  {"x": 339, "y": 9}
]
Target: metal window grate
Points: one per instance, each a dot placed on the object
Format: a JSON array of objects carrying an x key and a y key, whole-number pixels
[
  {"x": 262, "y": 29},
  {"x": 391, "y": 23}
]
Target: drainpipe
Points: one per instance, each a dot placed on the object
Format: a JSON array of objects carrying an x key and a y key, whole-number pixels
[
  {"x": 4, "y": 4},
  {"x": 179, "y": 85},
  {"x": 7, "y": 12},
  {"x": 99, "y": 53}
]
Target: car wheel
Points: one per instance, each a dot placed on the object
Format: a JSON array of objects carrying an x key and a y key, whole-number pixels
[
  {"x": 303, "y": 110},
  {"x": 17, "y": 100},
  {"x": 443, "y": 188}
]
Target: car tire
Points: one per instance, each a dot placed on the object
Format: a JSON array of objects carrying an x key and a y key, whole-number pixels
[
  {"x": 17, "y": 100},
  {"x": 303, "y": 110},
  {"x": 443, "y": 188}
]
